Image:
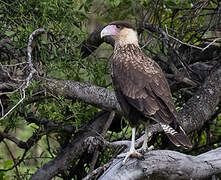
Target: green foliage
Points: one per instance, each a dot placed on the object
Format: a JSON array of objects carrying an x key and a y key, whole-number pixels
[{"x": 55, "y": 56}]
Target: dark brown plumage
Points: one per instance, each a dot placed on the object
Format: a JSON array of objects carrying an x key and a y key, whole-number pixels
[{"x": 141, "y": 87}]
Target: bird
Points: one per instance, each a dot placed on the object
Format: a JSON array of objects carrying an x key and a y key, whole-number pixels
[{"x": 141, "y": 87}]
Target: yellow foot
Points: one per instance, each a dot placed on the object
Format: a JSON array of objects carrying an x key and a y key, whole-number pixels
[{"x": 132, "y": 154}]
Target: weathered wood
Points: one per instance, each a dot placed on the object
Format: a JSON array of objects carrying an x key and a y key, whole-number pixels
[
  {"x": 91, "y": 94},
  {"x": 73, "y": 151},
  {"x": 166, "y": 164}
]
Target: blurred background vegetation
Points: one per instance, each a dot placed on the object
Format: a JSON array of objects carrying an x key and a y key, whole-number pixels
[{"x": 55, "y": 55}]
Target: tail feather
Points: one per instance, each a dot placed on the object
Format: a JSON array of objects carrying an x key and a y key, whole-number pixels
[{"x": 178, "y": 137}]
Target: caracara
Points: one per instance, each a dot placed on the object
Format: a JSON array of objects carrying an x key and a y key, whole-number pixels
[{"x": 141, "y": 87}]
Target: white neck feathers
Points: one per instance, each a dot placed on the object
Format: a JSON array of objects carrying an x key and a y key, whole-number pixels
[{"x": 127, "y": 36}]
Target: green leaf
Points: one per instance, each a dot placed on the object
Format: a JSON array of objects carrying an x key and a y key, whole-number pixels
[
  {"x": 170, "y": 3},
  {"x": 8, "y": 163},
  {"x": 9, "y": 33},
  {"x": 116, "y": 3},
  {"x": 2, "y": 174},
  {"x": 33, "y": 125}
]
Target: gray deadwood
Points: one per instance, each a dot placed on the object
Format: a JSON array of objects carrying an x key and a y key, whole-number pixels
[{"x": 165, "y": 164}]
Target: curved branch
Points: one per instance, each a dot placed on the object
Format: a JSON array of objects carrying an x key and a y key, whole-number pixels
[
  {"x": 32, "y": 71},
  {"x": 74, "y": 150},
  {"x": 95, "y": 95},
  {"x": 161, "y": 164},
  {"x": 197, "y": 110},
  {"x": 201, "y": 106}
]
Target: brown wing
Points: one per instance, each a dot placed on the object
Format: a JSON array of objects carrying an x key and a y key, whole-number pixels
[
  {"x": 145, "y": 87},
  {"x": 141, "y": 84}
]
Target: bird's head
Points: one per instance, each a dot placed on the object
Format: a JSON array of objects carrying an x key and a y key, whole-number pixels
[{"x": 122, "y": 32}]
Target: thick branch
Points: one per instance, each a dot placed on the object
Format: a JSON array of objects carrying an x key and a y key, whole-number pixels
[
  {"x": 73, "y": 151},
  {"x": 161, "y": 164},
  {"x": 202, "y": 105},
  {"x": 197, "y": 110},
  {"x": 95, "y": 95}
]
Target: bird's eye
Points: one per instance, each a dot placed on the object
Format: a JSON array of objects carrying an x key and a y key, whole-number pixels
[{"x": 118, "y": 26}]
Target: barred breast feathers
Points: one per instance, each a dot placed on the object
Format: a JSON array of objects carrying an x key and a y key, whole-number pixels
[{"x": 132, "y": 55}]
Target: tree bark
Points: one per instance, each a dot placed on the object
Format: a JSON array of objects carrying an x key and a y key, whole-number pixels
[
  {"x": 73, "y": 151},
  {"x": 202, "y": 105},
  {"x": 166, "y": 164},
  {"x": 192, "y": 116},
  {"x": 91, "y": 94}
]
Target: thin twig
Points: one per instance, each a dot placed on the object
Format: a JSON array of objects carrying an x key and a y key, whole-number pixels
[
  {"x": 31, "y": 73},
  {"x": 202, "y": 49},
  {"x": 12, "y": 65},
  {"x": 19, "y": 162},
  {"x": 151, "y": 130},
  {"x": 2, "y": 107},
  {"x": 14, "y": 160},
  {"x": 19, "y": 143}
]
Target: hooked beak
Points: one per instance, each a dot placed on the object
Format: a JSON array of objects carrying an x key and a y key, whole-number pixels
[{"x": 109, "y": 30}]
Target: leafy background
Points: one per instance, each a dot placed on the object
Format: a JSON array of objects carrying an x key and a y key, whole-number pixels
[{"x": 56, "y": 55}]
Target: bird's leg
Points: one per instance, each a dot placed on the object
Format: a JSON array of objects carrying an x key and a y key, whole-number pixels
[
  {"x": 132, "y": 152},
  {"x": 144, "y": 147}
]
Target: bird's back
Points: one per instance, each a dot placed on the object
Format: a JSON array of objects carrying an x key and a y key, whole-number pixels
[
  {"x": 142, "y": 83},
  {"x": 143, "y": 91}
]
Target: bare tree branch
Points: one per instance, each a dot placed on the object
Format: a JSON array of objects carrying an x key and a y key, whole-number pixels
[
  {"x": 32, "y": 70},
  {"x": 202, "y": 105},
  {"x": 95, "y": 95},
  {"x": 202, "y": 49},
  {"x": 96, "y": 153},
  {"x": 165, "y": 164},
  {"x": 19, "y": 143},
  {"x": 73, "y": 151}
]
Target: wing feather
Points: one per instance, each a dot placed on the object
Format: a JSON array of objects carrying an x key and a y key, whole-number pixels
[
  {"x": 142, "y": 90},
  {"x": 145, "y": 89}
]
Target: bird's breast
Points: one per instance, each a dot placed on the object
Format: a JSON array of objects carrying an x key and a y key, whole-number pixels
[{"x": 132, "y": 58}]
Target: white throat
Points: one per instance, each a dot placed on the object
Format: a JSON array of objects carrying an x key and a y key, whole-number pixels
[{"x": 127, "y": 36}]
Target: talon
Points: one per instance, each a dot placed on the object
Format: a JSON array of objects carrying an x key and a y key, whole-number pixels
[
  {"x": 143, "y": 150},
  {"x": 132, "y": 154}
]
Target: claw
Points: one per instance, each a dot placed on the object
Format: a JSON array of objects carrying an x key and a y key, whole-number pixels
[
  {"x": 145, "y": 149},
  {"x": 133, "y": 153},
  {"x": 130, "y": 154}
]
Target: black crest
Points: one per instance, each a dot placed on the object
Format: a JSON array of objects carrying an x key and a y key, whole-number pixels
[{"x": 123, "y": 24}]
